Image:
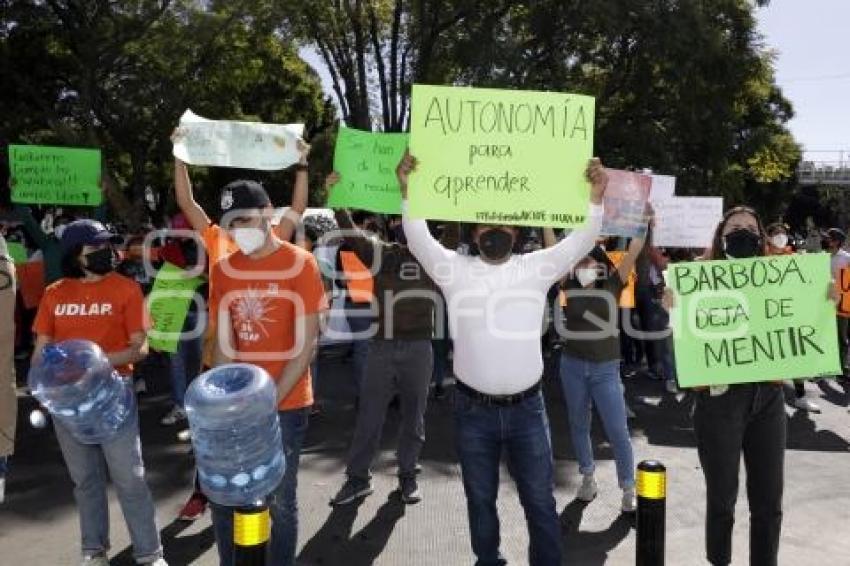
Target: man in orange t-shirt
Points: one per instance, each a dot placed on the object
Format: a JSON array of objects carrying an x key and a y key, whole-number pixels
[{"x": 265, "y": 302}]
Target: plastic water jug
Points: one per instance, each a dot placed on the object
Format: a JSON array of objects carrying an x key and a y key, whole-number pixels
[
  {"x": 79, "y": 387},
  {"x": 233, "y": 417}
]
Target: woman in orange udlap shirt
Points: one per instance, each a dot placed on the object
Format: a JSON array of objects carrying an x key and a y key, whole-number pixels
[{"x": 92, "y": 302}]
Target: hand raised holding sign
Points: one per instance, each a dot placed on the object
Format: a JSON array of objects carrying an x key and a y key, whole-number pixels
[
  {"x": 406, "y": 166},
  {"x": 598, "y": 178},
  {"x": 303, "y": 150}
]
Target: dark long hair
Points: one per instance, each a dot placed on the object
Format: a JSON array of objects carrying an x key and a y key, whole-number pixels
[
  {"x": 716, "y": 251},
  {"x": 71, "y": 266}
]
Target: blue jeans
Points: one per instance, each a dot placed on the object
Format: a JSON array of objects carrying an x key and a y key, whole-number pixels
[
  {"x": 597, "y": 383},
  {"x": 283, "y": 505},
  {"x": 120, "y": 460},
  {"x": 522, "y": 430},
  {"x": 185, "y": 362}
]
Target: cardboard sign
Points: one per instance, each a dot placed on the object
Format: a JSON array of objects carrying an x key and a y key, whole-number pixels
[
  {"x": 168, "y": 304},
  {"x": 625, "y": 204},
  {"x": 500, "y": 156},
  {"x": 249, "y": 145},
  {"x": 366, "y": 163},
  {"x": 750, "y": 320},
  {"x": 55, "y": 175}
]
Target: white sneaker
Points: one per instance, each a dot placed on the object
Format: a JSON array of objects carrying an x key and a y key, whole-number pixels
[
  {"x": 804, "y": 404},
  {"x": 99, "y": 560},
  {"x": 588, "y": 489},
  {"x": 629, "y": 500},
  {"x": 173, "y": 416}
]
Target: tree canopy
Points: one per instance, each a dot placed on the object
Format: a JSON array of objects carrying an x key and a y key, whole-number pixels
[{"x": 684, "y": 87}]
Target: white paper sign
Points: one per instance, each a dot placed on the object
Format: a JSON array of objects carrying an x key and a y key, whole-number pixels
[
  {"x": 663, "y": 188},
  {"x": 686, "y": 222},
  {"x": 249, "y": 145}
]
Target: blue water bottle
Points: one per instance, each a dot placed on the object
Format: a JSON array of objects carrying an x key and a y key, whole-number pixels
[
  {"x": 232, "y": 413},
  {"x": 82, "y": 391}
]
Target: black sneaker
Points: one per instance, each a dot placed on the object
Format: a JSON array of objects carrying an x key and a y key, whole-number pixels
[
  {"x": 352, "y": 490},
  {"x": 409, "y": 491}
]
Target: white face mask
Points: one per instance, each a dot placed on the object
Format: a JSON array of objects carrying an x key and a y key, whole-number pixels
[
  {"x": 779, "y": 241},
  {"x": 249, "y": 240},
  {"x": 586, "y": 276}
]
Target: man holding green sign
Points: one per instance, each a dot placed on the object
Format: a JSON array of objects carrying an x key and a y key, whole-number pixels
[
  {"x": 55, "y": 175},
  {"x": 366, "y": 161},
  {"x": 501, "y": 156}
]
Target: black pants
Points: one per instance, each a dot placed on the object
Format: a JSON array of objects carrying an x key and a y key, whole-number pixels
[
  {"x": 843, "y": 341},
  {"x": 749, "y": 419}
]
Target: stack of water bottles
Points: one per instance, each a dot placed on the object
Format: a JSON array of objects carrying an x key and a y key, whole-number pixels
[
  {"x": 232, "y": 413},
  {"x": 76, "y": 383}
]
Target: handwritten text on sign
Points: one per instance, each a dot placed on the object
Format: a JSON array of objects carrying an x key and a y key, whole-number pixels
[
  {"x": 249, "y": 145},
  {"x": 55, "y": 175},
  {"x": 500, "y": 156},
  {"x": 366, "y": 163},
  {"x": 749, "y": 320}
]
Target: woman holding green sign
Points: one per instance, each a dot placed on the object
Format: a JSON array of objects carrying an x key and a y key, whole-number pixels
[{"x": 748, "y": 419}]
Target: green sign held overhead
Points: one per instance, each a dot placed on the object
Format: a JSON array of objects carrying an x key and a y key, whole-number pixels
[
  {"x": 168, "y": 304},
  {"x": 750, "y": 320},
  {"x": 17, "y": 252},
  {"x": 366, "y": 163},
  {"x": 55, "y": 175},
  {"x": 500, "y": 156}
]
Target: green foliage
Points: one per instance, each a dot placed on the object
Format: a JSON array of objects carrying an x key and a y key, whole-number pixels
[{"x": 118, "y": 75}]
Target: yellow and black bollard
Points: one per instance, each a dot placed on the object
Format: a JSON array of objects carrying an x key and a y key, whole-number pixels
[
  {"x": 251, "y": 532},
  {"x": 651, "y": 511}
]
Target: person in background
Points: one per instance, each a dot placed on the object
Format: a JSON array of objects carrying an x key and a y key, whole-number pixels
[
  {"x": 132, "y": 265},
  {"x": 441, "y": 345},
  {"x": 185, "y": 363},
  {"x": 8, "y": 396},
  {"x": 498, "y": 364},
  {"x": 833, "y": 242},
  {"x": 359, "y": 288},
  {"x": 399, "y": 359},
  {"x": 119, "y": 328},
  {"x": 777, "y": 244},
  {"x": 590, "y": 365},
  {"x": 218, "y": 245},
  {"x": 265, "y": 301}
]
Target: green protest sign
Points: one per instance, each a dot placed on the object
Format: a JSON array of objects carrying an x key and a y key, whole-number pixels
[
  {"x": 168, "y": 304},
  {"x": 17, "y": 252},
  {"x": 500, "y": 156},
  {"x": 750, "y": 320},
  {"x": 55, "y": 175},
  {"x": 366, "y": 163}
]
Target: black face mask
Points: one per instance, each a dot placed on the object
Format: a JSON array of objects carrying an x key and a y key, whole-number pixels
[
  {"x": 100, "y": 262},
  {"x": 495, "y": 244},
  {"x": 742, "y": 244}
]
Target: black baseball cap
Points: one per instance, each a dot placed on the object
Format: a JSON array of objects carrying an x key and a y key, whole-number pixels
[
  {"x": 244, "y": 195},
  {"x": 87, "y": 233}
]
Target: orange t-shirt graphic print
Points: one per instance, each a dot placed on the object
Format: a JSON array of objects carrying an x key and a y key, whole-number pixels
[
  {"x": 106, "y": 312},
  {"x": 263, "y": 298}
]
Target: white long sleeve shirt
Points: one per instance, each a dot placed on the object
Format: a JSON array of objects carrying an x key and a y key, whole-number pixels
[{"x": 496, "y": 311}]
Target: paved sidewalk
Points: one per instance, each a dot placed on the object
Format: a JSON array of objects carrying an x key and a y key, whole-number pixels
[{"x": 38, "y": 523}]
